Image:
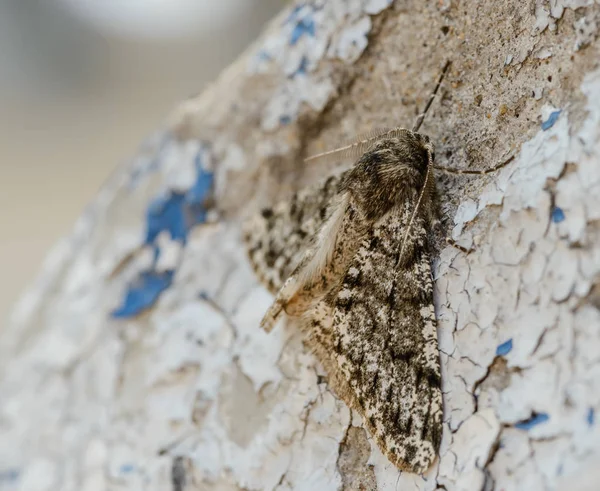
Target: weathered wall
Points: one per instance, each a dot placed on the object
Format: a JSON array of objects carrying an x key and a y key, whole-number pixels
[{"x": 190, "y": 394}]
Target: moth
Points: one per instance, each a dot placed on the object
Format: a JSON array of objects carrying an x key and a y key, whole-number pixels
[{"x": 350, "y": 260}]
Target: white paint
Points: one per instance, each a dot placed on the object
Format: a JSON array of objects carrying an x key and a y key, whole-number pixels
[
  {"x": 462, "y": 469},
  {"x": 178, "y": 165},
  {"x": 373, "y": 7},
  {"x": 351, "y": 43}
]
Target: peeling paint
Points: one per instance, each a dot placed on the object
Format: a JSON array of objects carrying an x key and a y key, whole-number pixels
[
  {"x": 127, "y": 468},
  {"x": 352, "y": 42},
  {"x": 557, "y": 215},
  {"x": 538, "y": 326},
  {"x": 373, "y": 7},
  {"x": 174, "y": 214},
  {"x": 177, "y": 212},
  {"x": 535, "y": 420},
  {"x": 310, "y": 33},
  {"x": 305, "y": 25},
  {"x": 504, "y": 348},
  {"x": 462, "y": 468},
  {"x": 143, "y": 293},
  {"x": 548, "y": 123}
]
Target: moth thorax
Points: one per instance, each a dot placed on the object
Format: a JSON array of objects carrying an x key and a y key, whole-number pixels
[{"x": 391, "y": 172}]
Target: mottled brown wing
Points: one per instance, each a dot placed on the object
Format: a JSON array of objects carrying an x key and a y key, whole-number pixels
[
  {"x": 376, "y": 336},
  {"x": 277, "y": 237}
]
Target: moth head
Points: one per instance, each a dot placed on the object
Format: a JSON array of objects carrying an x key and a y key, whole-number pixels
[
  {"x": 429, "y": 147},
  {"x": 391, "y": 171}
]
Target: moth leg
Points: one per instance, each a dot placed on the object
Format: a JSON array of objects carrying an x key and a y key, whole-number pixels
[
  {"x": 438, "y": 234},
  {"x": 453, "y": 243},
  {"x": 452, "y": 170}
]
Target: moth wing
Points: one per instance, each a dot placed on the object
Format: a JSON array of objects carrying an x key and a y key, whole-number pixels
[
  {"x": 376, "y": 337},
  {"x": 277, "y": 237}
]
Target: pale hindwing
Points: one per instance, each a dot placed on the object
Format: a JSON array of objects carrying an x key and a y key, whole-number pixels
[
  {"x": 277, "y": 237},
  {"x": 323, "y": 265},
  {"x": 376, "y": 337}
]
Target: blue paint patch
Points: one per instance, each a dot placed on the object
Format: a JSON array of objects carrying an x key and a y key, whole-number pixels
[
  {"x": 549, "y": 123},
  {"x": 10, "y": 475},
  {"x": 263, "y": 55},
  {"x": 127, "y": 468},
  {"x": 535, "y": 420},
  {"x": 196, "y": 197},
  {"x": 305, "y": 26},
  {"x": 505, "y": 348},
  {"x": 285, "y": 120},
  {"x": 166, "y": 213},
  {"x": 591, "y": 416},
  {"x": 143, "y": 293},
  {"x": 557, "y": 214},
  {"x": 302, "y": 69},
  {"x": 175, "y": 213}
]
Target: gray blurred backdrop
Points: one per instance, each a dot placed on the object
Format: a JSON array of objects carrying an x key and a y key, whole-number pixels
[{"x": 82, "y": 82}]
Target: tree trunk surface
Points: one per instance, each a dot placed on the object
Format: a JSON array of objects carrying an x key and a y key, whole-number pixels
[{"x": 136, "y": 360}]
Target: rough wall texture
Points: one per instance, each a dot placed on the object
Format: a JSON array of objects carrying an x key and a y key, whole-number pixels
[{"x": 179, "y": 389}]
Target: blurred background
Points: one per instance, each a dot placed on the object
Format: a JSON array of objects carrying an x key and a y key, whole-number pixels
[{"x": 82, "y": 82}]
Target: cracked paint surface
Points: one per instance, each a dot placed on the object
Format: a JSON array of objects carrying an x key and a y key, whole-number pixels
[
  {"x": 193, "y": 395},
  {"x": 528, "y": 281}
]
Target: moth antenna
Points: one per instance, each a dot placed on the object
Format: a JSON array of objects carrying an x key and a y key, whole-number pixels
[
  {"x": 414, "y": 213},
  {"x": 352, "y": 149},
  {"x": 355, "y": 147},
  {"x": 361, "y": 143},
  {"x": 421, "y": 117},
  {"x": 453, "y": 170}
]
